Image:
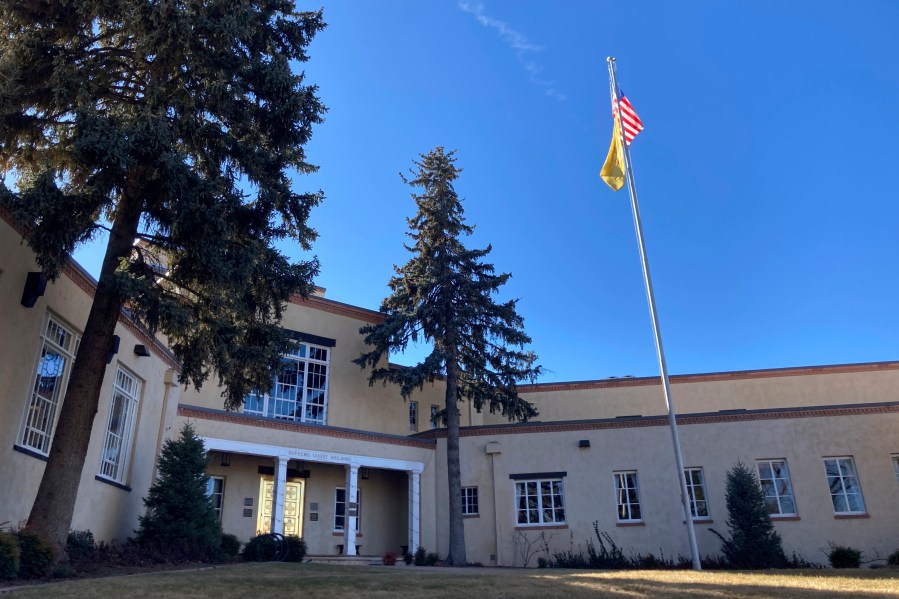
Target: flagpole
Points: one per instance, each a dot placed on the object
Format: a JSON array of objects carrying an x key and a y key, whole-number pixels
[{"x": 672, "y": 420}]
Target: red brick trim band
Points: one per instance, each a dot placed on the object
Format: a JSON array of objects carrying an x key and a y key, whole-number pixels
[
  {"x": 307, "y": 429},
  {"x": 339, "y": 308},
  {"x": 850, "y": 516},
  {"x": 710, "y": 377},
  {"x": 647, "y": 421}
]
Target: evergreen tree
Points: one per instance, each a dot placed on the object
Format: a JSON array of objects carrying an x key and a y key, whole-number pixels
[
  {"x": 444, "y": 296},
  {"x": 181, "y": 520},
  {"x": 175, "y": 123},
  {"x": 753, "y": 543}
]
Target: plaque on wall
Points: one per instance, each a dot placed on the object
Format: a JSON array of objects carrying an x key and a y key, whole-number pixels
[
  {"x": 313, "y": 516},
  {"x": 248, "y": 512}
]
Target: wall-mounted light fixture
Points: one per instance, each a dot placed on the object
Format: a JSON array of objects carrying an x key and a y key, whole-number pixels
[
  {"x": 584, "y": 443},
  {"x": 35, "y": 285},
  {"x": 141, "y": 350},
  {"x": 113, "y": 348},
  {"x": 226, "y": 459},
  {"x": 363, "y": 472}
]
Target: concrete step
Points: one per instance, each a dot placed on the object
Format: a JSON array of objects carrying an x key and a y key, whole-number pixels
[{"x": 346, "y": 560}]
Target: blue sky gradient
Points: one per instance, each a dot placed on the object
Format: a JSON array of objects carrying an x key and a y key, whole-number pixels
[{"x": 766, "y": 171}]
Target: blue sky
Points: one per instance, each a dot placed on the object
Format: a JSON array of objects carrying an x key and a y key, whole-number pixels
[{"x": 766, "y": 172}]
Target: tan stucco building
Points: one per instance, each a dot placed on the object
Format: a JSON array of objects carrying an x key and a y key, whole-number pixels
[{"x": 355, "y": 469}]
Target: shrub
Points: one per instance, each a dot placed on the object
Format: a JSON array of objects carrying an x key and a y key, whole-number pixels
[
  {"x": 267, "y": 547},
  {"x": 230, "y": 545},
  {"x": 753, "y": 542},
  {"x": 844, "y": 557},
  {"x": 542, "y": 563},
  {"x": 389, "y": 558},
  {"x": 9, "y": 556},
  {"x": 431, "y": 559},
  {"x": 893, "y": 560},
  {"x": 420, "y": 556},
  {"x": 181, "y": 523},
  {"x": 36, "y": 555},
  {"x": 80, "y": 545},
  {"x": 296, "y": 548},
  {"x": 407, "y": 558}
]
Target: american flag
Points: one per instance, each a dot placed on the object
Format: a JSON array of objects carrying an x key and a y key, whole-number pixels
[{"x": 630, "y": 122}]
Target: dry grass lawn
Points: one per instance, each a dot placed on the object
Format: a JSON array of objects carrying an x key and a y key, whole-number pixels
[{"x": 316, "y": 580}]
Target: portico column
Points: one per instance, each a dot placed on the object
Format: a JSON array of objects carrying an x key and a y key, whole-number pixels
[
  {"x": 414, "y": 510},
  {"x": 278, "y": 495},
  {"x": 352, "y": 508}
]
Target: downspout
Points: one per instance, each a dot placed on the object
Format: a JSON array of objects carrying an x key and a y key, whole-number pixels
[
  {"x": 169, "y": 383},
  {"x": 492, "y": 449}
]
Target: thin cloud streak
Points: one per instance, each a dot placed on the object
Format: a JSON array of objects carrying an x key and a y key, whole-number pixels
[{"x": 517, "y": 42}]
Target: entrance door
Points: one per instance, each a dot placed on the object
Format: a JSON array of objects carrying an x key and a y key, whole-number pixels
[{"x": 293, "y": 507}]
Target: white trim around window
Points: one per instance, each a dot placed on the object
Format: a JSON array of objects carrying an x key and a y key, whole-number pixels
[
  {"x": 48, "y": 385},
  {"x": 119, "y": 438},
  {"x": 299, "y": 391},
  {"x": 699, "y": 504},
  {"x": 774, "y": 479},
  {"x": 627, "y": 496},
  {"x": 469, "y": 501},
  {"x": 539, "y": 502},
  {"x": 845, "y": 489},
  {"x": 215, "y": 490},
  {"x": 896, "y": 465}
]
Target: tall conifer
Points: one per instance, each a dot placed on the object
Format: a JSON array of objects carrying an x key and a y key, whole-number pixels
[
  {"x": 179, "y": 124},
  {"x": 444, "y": 296}
]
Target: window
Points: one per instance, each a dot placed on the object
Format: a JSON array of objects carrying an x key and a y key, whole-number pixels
[
  {"x": 469, "y": 501},
  {"x": 58, "y": 345},
  {"x": 896, "y": 465},
  {"x": 215, "y": 490},
  {"x": 628, "y": 496},
  {"x": 340, "y": 509},
  {"x": 774, "y": 479},
  {"x": 539, "y": 502},
  {"x": 845, "y": 492},
  {"x": 300, "y": 389},
  {"x": 120, "y": 426},
  {"x": 413, "y": 416},
  {"x": 434, "y": 411},
  {"x": 699, "y": 505}
]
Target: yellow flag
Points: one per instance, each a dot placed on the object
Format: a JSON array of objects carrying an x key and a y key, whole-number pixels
[{"x": 613, "y": 170}]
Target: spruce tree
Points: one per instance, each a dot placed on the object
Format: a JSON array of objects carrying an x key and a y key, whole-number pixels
[
  {"x": 753, "y": 543},
  {"x": 444, "y": 296},
  {"x": 181, "y": 521},
  {"x": 179, "y": 124}
]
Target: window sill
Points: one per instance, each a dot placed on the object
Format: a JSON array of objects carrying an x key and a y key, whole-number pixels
[
  {"x": 700, "y": 521},
  {"x": 30, "y": 452},
  {"x": 631, "y": 523},
  {"x": 471, "y": 515},
  {"x": 109, "y": 481},
  {"x": 785, "y": 518},
  {"x": 541, "y": 527},
  {"x": 850, "y": 516},
  {"x": 341, "y": 534}
]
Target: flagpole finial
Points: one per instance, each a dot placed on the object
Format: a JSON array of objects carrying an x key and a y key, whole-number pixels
[{"x": 610, "y": 58}]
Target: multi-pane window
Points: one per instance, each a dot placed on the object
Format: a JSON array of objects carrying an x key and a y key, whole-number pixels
[
  {"x": 774, "y": 478},
  {"x": 413, "y": 416},
  {"x": 896, "y": 466},
  {"x": 628, "y": 496},
  {"x": 699, "y": 505},
  {"x": 300, "y": 389},
  {"x": 340, "y": 509},
  {"x": 434, "y": 411},
  {"x": 845, "y": 491},
  {"x": 469, "y": 501},
  {"x": 120, "y": 426},
  {"x": 215, "y": 490},
  {"x": 539, "y": 502},
  {"x": 48, "y": 386}
]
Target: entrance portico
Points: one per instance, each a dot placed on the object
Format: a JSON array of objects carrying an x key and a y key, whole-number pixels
[{"x": 280, "y": 457}]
